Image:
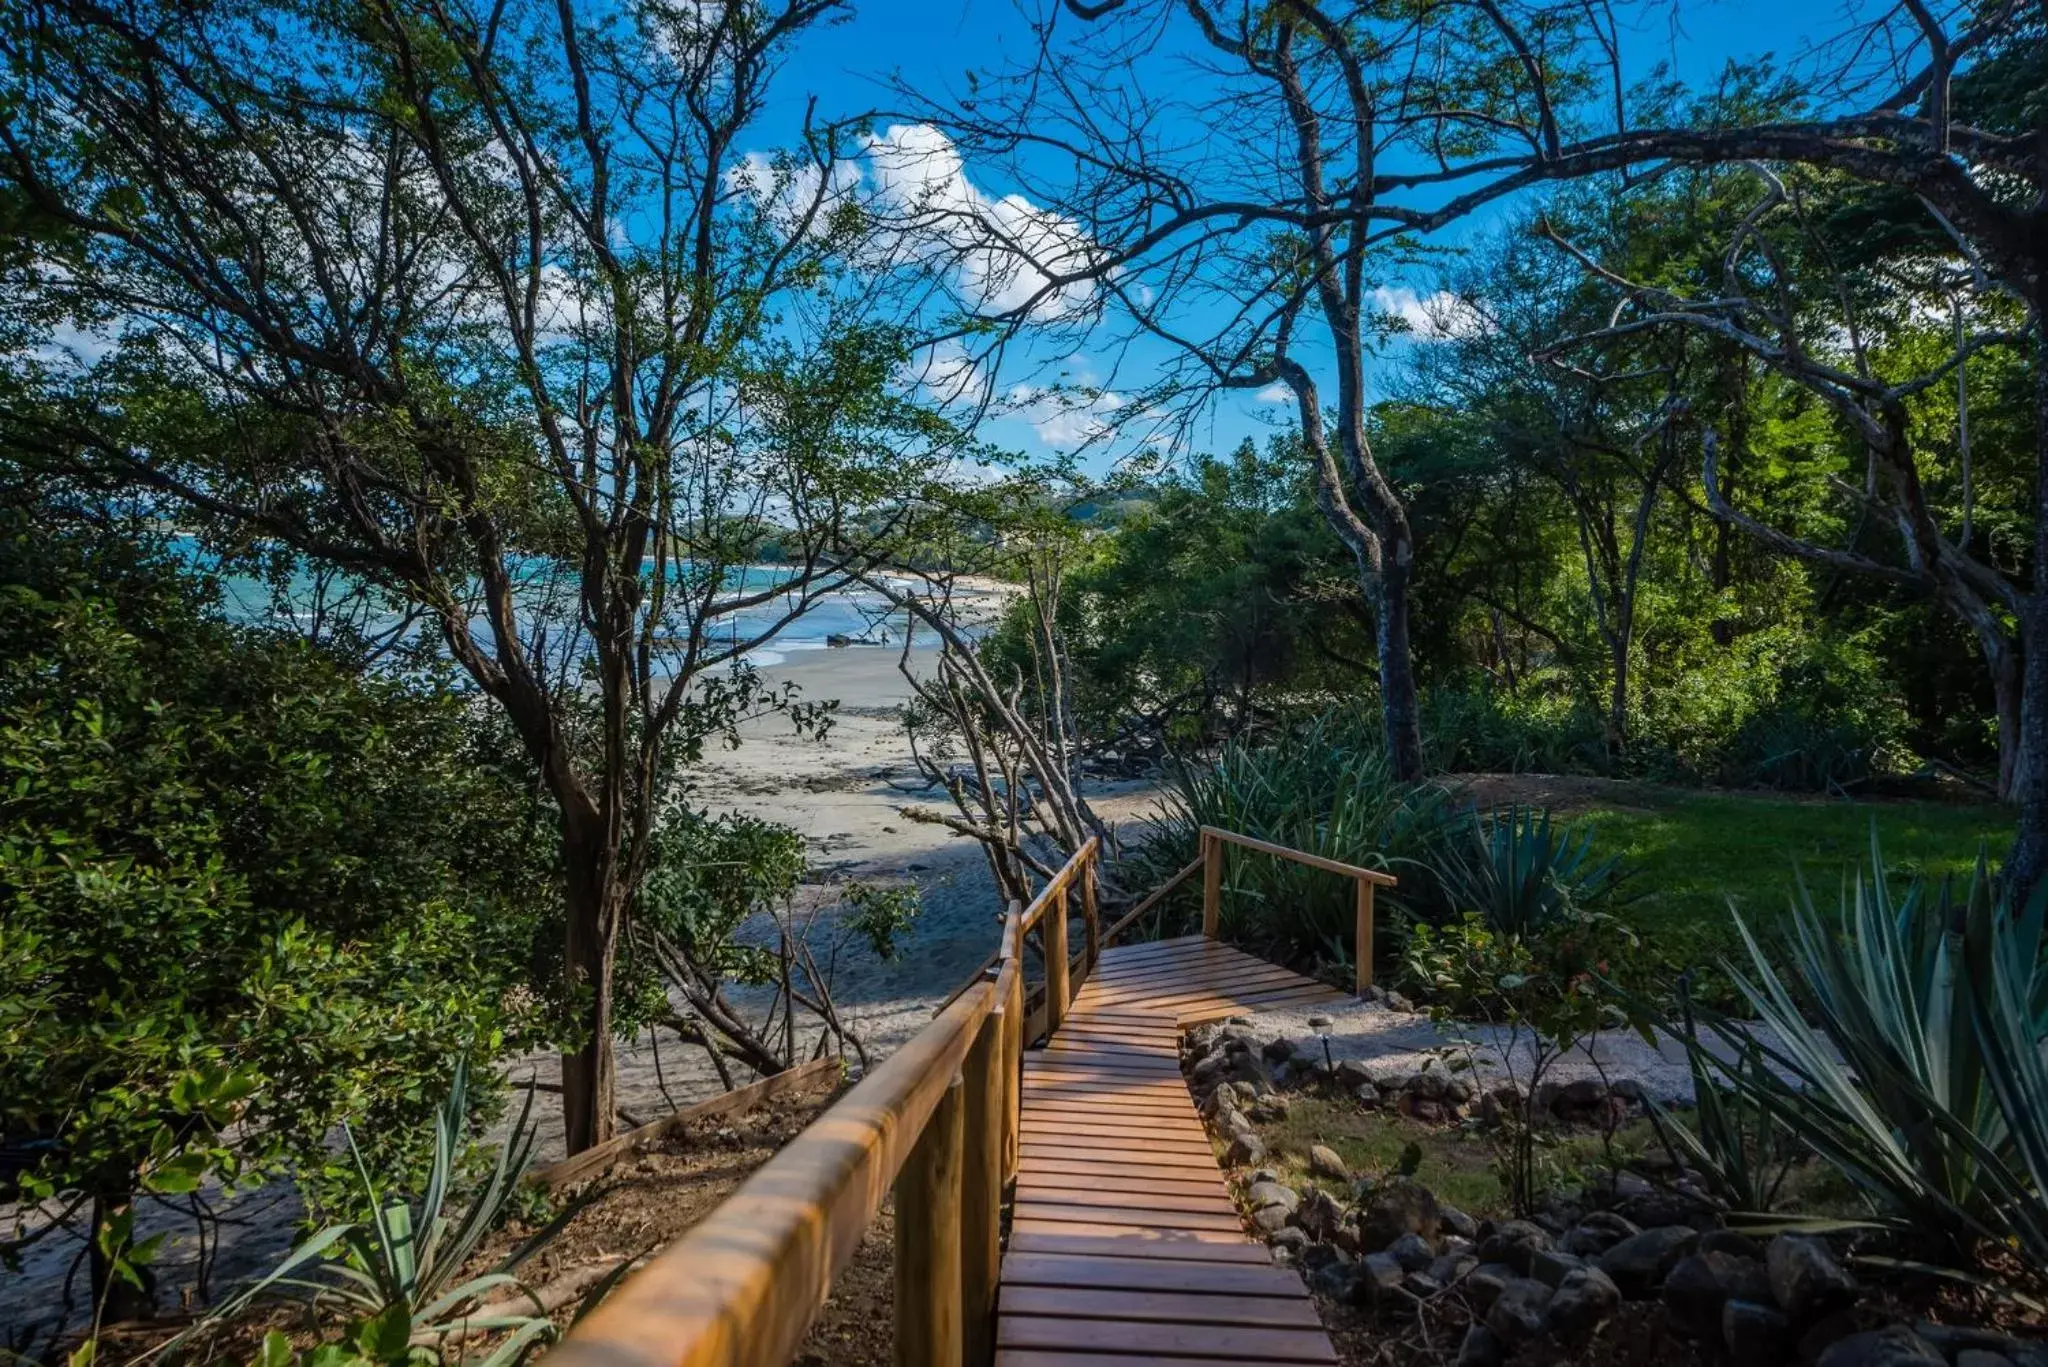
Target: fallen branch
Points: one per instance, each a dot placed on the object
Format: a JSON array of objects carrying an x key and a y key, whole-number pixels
[{"x": 601, "y": 1156}]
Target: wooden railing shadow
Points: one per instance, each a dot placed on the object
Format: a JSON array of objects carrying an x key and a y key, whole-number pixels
[{"x": 938, "y": 1124}]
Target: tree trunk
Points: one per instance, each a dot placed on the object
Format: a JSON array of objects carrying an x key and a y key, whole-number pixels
[
  {"x": 2029, "y": 858},
  {"x": 1400, "y": 711},
  {"x": 1617, "y": 698},
  {"x": 590, "y": 944}
]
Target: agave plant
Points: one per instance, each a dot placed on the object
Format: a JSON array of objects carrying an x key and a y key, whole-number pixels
[
  {"x": 1910, "y": 1056},
  {"x": 395, "y": 1275},
  {"x": 1522, "y": 876}
]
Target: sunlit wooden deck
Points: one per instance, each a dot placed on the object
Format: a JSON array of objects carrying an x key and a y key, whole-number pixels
[{"x": 1125, "y": 1245}]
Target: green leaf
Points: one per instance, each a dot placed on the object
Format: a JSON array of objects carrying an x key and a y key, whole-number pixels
[{"x": 386, "y": 1337}]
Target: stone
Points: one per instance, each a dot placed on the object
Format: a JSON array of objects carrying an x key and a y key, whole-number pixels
[
  {"x": 1639, "y": 1263},
  {"x": 1292, "y": 1239},
  {"x": 1272, "y": 1193},
  {"x": 1321, "y": 1255},
  {"x": 1324, "y": 1161},
  {"x": 1367, "y": 1096},
  {"x": 1346, "y": 1238},
  {"x": 1268, "y": 1109},
  {"x": 1210, "y": 1070},
  {"x": 1584, "y": 1301},
  {"x": 1428, "y": 1084},
  {"x": 1583, "y": 1093},
  {"x": 1806, "y": 1277},
  {"x": 1545, "y": 1098},
  {"x": 1245, "y": 1149},
  {"x": 1654, "y": 1208},
  {"x": 1815, "y": 1338},
  {"x": 1702, "y": 1283},
  {"x": 1982, "y": 1357},
  {"x": 1278, "y": 1050},
  {"x": 1396, "y": 1002},
  {"x": 1271, "y": 1219},
  {"x": 1319, "y": 1214},
  {"x": 1479, "y": 1348},
  {"x": 1731, "y": 1241},
  {"x": 1951, "y": 1340},
  {"x": 1895, "y": 1346},
  {"x": 1450, "y": 1268},
  {"x": 1396, "y": 1208},
  {"x": 1520, "y": 1312},
  {"x": 1515, "y": 1243},
  {"x": 1455, "y": 1221},
  {"x": 1383, "y": 1273},
  {"x": 1486, "y": 1281},
  {"x": 1755, "y": 1334},
  {"x": 1421, "y": 1285},
  {"x": 1412, "y": 1251},
  {"x": 1352, "y": 1074},
  {"x": 1458, "y": 1091},
  {"x": 1338, "y": 1281},
  {"x": 1551, "y": 1267}
]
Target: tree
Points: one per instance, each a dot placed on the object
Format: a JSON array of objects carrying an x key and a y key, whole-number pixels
[
  {"x": 1260, "y": 263},
  {"x": 1940, "y": 116},
  {"x": 245, "y": 891},
  {"x": 492, "y": 310}
]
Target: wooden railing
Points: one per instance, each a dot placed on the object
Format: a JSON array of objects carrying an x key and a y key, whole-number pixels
[
  {"x": 937, "y": 1121},
  {"x": 1214, "y": 839}
]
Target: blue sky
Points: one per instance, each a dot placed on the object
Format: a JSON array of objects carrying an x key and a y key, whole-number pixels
[{"x": 931, "y": 45}]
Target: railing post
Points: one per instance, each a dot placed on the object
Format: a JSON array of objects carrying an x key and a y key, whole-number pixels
[
  {"x": 987, "y": 1099},
  {"x": 1364, "y": 952},
  {"x": 1091, "y": 929},
  {"x": 1013, "y": 1074},
  {"x": 1056, "y": 962},
  {"x": 928, "y": 1195},
  {"x": 1212, "y": 886}
]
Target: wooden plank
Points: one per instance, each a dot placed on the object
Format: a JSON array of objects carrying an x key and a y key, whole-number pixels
[
  {"x": 1127, "y": 953},
  {"x": 1195, "y": 1341},
  {"x": 1068, "y": 1148},
  {"x": 1111, "y": 1241},
  {"x": 981, "y": 1190},
  {"x": 1186, "y": 1133},
  {"x": 1152, "y": 1274},
  {"x": 1102, "y": 1172},
  {"x": 1264, "y": 999},
  {"x": 1148, "y": 1220},
  {"x": 1044, "y": 1183},
  {"x": 744, "y": 1284},
  {"x": 1155, "y": 995},
  {"x": 1031, "y": 1195},
  {"x": 1055, "y": 1357},
  {"x": 817, "y": 1073},
  {"x": 1172, "y": 1307},
  {"x": 1111, "y": 1044},
  {"x": 1151, "y": 1037},
  {"x": 1109, "y": 1108},
  {"x": 1193, "y": 961},
  {"x": 1091, "y": 1086},
  {"x": 1073, "y": 1061}
]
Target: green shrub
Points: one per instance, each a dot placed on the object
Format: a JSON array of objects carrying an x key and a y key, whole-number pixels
[
  {"x": 1324, "y": 788},
  {"x": 1475, "y": 730},
  {"x": 1523, "y": 878}
]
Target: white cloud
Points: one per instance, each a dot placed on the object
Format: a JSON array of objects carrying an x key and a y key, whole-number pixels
[
  {"x": 1065, "y": 418},
  {"x": 1275, "y": 393},
  {"x": 948, "y": 372},
  {"x": 1432, "y": 317}
]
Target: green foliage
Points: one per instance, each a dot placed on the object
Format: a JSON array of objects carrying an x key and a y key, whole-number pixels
[
  {"x": 1906, "y": 1049},
  {"x": 396, "y": 1277},
  {"x": 1521, "y": 878},
  {"x": 706, "y": 876},
  {"x": 244, "y": 891},
  {"x": 1322, "y": 787},
  {"x": 878, "y": 913}
]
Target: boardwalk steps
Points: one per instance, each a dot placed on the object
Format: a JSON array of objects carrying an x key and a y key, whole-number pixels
[{"x": 1125, "y": 1245}]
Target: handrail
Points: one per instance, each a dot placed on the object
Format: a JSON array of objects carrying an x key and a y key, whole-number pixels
[
  {"x": 1152, "y": 899},
  {"x": 1314, "y": 861},
  {"x": 938, "y": 1121},
  {"x": 1214, "y": 838},
  {"x": 1060, "y": 881}
]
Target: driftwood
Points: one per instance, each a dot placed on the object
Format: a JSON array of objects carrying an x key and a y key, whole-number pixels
[{"x": 601, "y": 1156}]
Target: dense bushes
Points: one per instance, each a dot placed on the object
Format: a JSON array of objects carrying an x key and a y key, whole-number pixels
[{"x": 244, "y": 891}]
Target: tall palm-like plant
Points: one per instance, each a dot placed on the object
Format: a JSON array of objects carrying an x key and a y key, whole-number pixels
[{"x": 1524, "y": 876}]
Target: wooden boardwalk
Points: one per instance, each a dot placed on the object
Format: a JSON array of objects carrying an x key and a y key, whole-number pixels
[{"x": 1125, "y": 1246}]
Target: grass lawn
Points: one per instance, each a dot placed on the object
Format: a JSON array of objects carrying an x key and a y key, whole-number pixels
[{"x": 1692, "y": 854}]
